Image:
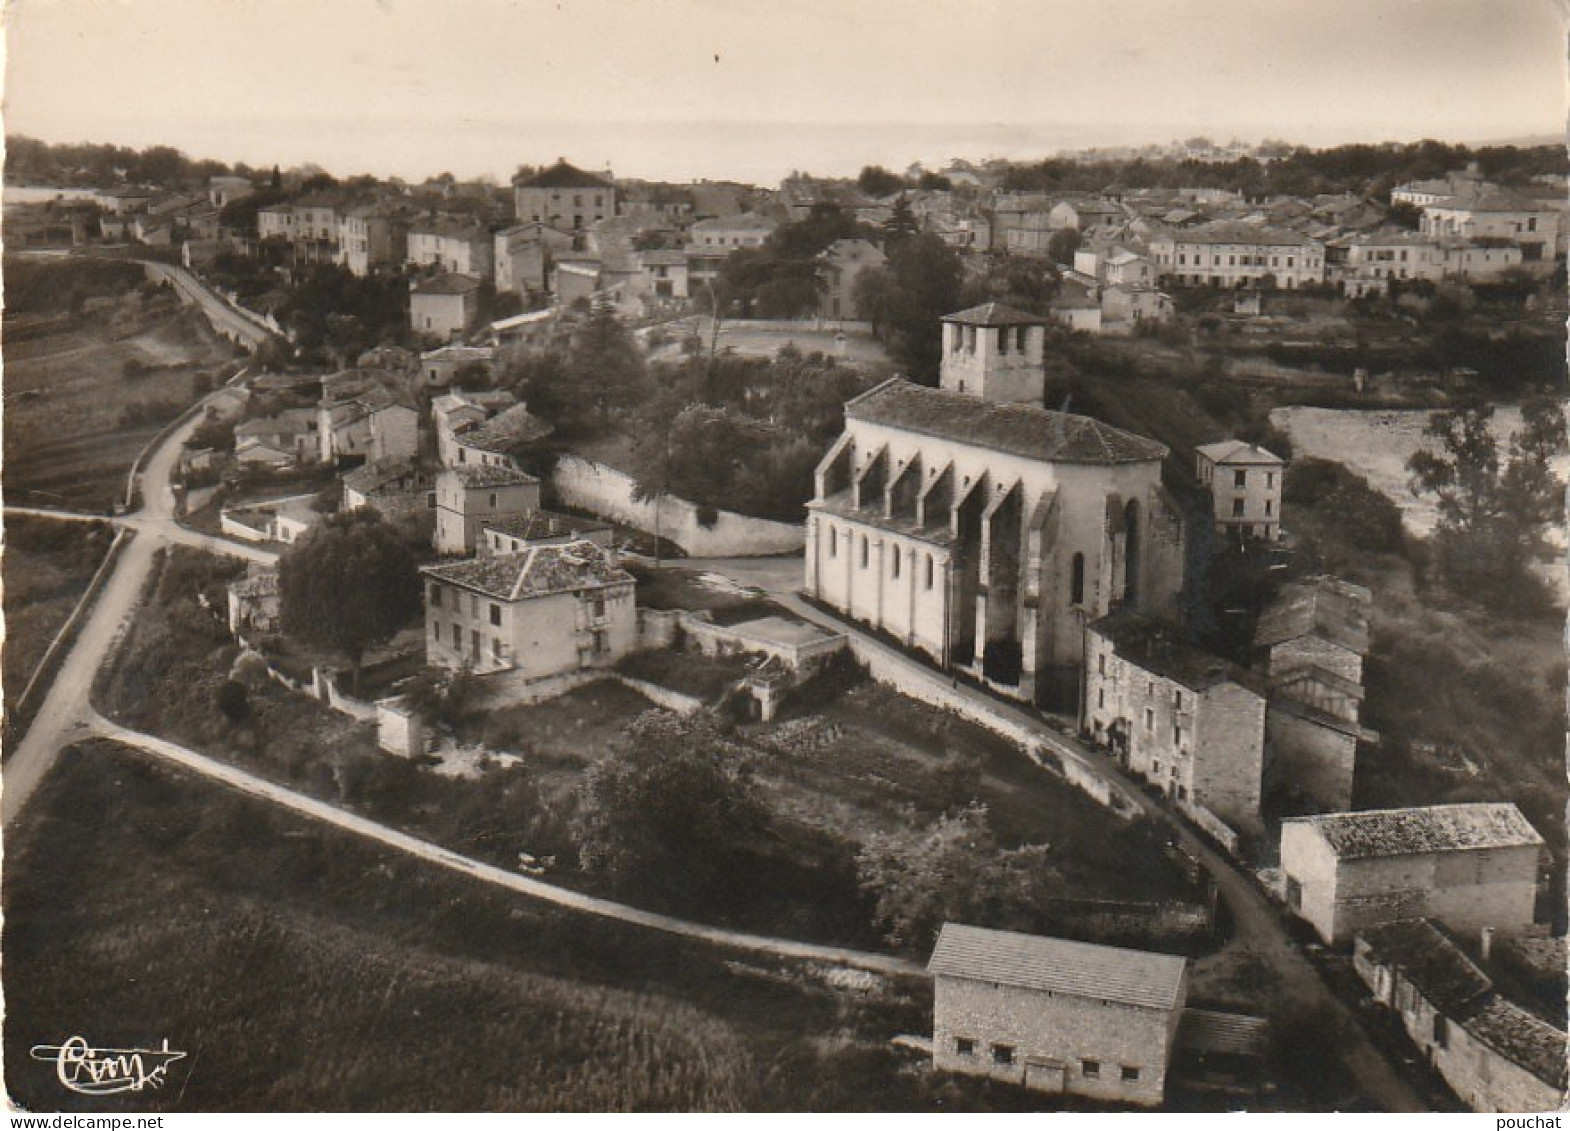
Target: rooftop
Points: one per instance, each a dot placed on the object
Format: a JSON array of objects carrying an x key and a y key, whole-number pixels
[
  {"x": 543, "y": 524},
  {"x": 478, "y": 475},
  {"x": 1237, "y": 232},
  {"x": 1155, "y": 646},
  {"x": 536, "y": 572},
  {"x": 1106, "y": 973},
  {"x": 1018, "y": 429},
  {"x": 1239, "y": 451},
  {"x": 448, "y": 284},
  {"x": 1430, "y": 959},
  {"x": 1326, "y": 607},
  {"x": 743, "y": 222},
  {"x": 1373, "y": 833},
  {"x": 564, "y": 175},
  {"x": 505, "y": 431},
  {"x": 1523, "y": 1038},
  {"x": 994, "y": 314}
]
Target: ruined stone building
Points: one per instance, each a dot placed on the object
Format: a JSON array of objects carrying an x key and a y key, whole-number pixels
[{"x": 972, "y": 524}]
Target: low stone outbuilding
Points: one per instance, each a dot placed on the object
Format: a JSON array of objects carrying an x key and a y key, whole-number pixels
[
  {"x": 1495, "y": 1055},
  {"x": 1470, "y": 866},
  {"x": 1056, "y": 1016}
]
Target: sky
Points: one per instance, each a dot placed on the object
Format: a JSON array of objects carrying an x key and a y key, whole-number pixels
[{"x": 746, "y": 89}]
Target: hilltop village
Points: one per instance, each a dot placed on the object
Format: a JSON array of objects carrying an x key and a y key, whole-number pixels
[{"x": 924, "y": 575}]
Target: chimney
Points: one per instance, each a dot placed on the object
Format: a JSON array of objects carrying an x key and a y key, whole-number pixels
[{"x": 1486, "y": 943}]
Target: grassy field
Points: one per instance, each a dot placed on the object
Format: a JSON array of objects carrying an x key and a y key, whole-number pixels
[
  {"x": 75, "y": 415},
  {"x": 46, "y": 567},
  {"x": 305, "y": 970}
]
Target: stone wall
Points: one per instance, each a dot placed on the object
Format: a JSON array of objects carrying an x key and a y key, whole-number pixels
[
  {"x": 1097, "y": 1044},
  {"x": 592, "y": 486}
]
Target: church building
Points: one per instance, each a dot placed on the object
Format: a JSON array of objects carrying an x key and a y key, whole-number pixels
[{"x": 972, "y": 524}]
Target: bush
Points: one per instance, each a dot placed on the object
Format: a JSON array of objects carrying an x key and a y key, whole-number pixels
[{"x": 234, "y": 701}]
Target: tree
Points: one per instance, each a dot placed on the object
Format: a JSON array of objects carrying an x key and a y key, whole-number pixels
[
  {"x": 953, "y": 870},
  {"x": 1492, "y": 511},
  {"x": 671, "y": 809},
  {"x": 1062, "y": 246},
  {"x": 605, "y": 363},
  {"x": 875, "y": 180},
  {"x": 906, "y": 299},
  {"x": 902, "y": 224},
  {"x": 348, "y": 584}
]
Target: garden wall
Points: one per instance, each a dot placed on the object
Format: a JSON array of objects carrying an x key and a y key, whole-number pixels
[{"x": 592, "y": 486}]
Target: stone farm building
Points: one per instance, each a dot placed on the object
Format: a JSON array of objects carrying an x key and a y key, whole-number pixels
[
  {"x": 1055, "y": 1016},
  {"x": 1311, "y": 641},
  {"x": 975, "y": 526},
  {"x": 472, "y": 495},
  {"x": 1183, "y": 720},
  {"x": 548, "y": 610},
  {"x": 1470, "y": 866},
  {"x": 1495, "y": 1055}
]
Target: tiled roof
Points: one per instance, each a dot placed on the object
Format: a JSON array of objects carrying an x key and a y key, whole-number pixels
[
  {"x": 536, "y": 572},
  {"x": 1326, "y": 607},
  {"x": 1433, "y": 828},
  {"x": 1491, "y": 198},
  {"x": 449, "y": 228},
  {"x": 1239, "y": 451},
  {"x": 543, "y": 524},
  {"x": 994, "y": 314},
  {"x": 448, "y": 284},
  {"x": 1156, "y": 647},
  {"x": 563, "y": 175},
  {"x": 1520, "y": 1037},
  {"x": 1430, "y": 960},
  {"x": 485, "y": 475},
  {"x": 505, "y": 431},
  {"x": 371, "y": 476},
  {"x": 744, "y": 222},
  {"x": 1085, "y": 970},
  {"x": 1235, "y": 232},
  {"x": 1231, "y": 1034},
  {"x": 1019, "y": 429}
]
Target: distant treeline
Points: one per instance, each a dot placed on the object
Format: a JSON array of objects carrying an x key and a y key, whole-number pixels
[
  {"x": 1366, "y": 170},
  {"x": 29, "y": 161}
]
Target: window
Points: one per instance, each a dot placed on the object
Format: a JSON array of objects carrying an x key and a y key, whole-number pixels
[
  {"x": 1101, "y": 697},
  {"x": 894, "y": 563},
  {"x": 1003, "y": 340},
  {"x": 436, "y": 630},
  {"x": 1090, "y": 1069},
  {"x": 1019, "y": 335},
  {"x": 1002, "y": 1054},
  {"x": 1269, "y": 507},
  {"x": 1130, "y": 1073},
  {"x": 1150, "y": 720},
  {"x": 1177, "y": 735},
  {"x": 865, "y": 552},
  {"x": 599, "y": 608},
  {"x": 457, "y": 636},
  {"x": 1294, "y": 893},
  {"x": 1240, "y": 479},
  {"x": 1077, "y": 581},
  {"x": 1441, "y": 1031},
  {"x": 834, "y": 542},
  {"x": 496, "y": 647},
  {"x": 493, "y": 500},
  {"x": 436, "y": 596},
  {"x": 474, "y": 606},
  {"x": 1177, "y": 700},
  {"x": 496, "y": 613},
  {"x": 1101, "y": 664},
  {"x": 965, "y": 1046},
  {"x": 1237, "y": 507},
  {"x": 930, "y": 571},
  {"x": 1270, "y": 479}
]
